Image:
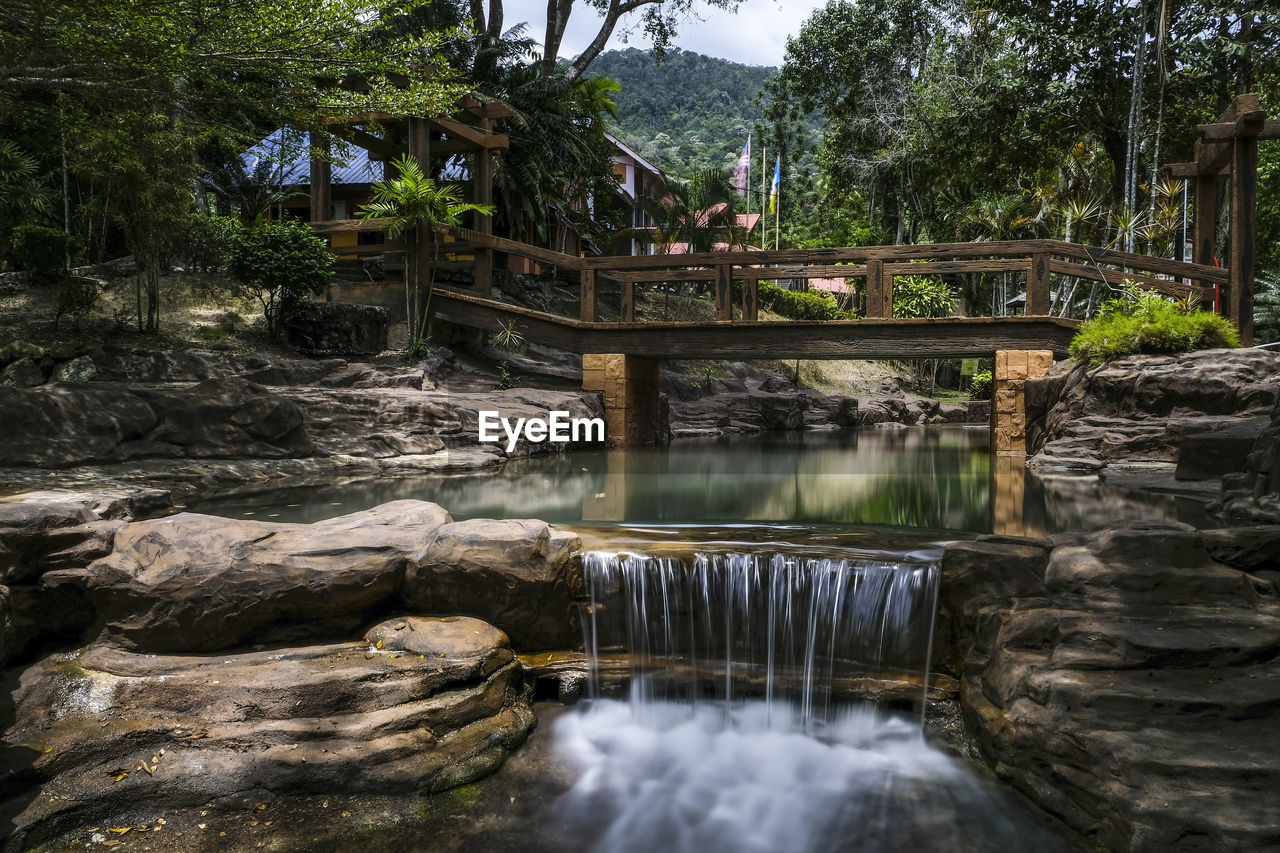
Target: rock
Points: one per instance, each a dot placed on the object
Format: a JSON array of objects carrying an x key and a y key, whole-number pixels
[
  {"x": 17, "y": 350},
  {"x": 80, "y": 369},
  {"x": 60, "y": 426},
  {"x": 1254, "y": 495},
  {"x": 336, "y": 328},
  {"x": 519, "y": 575},
  {"x": 458, "y": 638},
  {"x": 1125, "y": 680},
  {"x": 23, "y": 373},
  {"x": 1250, "y": 549},
  {"x": 201, "y": 583},
  {"x": 1142, "y": 409},
  {"x": 237, "y": 732}
]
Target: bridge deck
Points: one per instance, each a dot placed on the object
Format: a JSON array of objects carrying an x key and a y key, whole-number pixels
[{"x": 845, "y": 339}]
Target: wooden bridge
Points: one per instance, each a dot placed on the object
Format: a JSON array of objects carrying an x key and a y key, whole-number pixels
[
  {"x": 733, "y": 278},
  {"x": 621, "y": 348}
]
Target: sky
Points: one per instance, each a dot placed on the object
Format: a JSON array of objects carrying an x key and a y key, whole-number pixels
[{"x": 755, "y": 35}]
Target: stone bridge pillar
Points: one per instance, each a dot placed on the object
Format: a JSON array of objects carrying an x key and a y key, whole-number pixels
[
  {"x": 632, "y": 408},
  {"x": 1009, "y": 402}
]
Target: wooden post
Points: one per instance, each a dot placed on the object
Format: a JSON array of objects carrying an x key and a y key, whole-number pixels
[
  {"x": 879, "y": 291},
  {"x": 1205, "y": 224},
  {"x": 750, "y": 300},
  {"x": 1038, "y": 285},
  {"x": 724, "y": 293},
  {"x": 418, "y": 248},
  {"x": 628, "y": 302},
  {"x": 483, "y": 189},
  {"x": 321, "y": 180},
  {"x": 587, "y": 296},
  {"x": 1244, "y": 191}
]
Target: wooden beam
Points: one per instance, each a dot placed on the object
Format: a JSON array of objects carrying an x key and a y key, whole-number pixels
[
  {"x": 587, "y": 296},
  {"x": 1244, "y": 229},
  {"x": 1038, "y": 301},
  {"x": 811, "y": 271},
  {"x": 724, "y": 293},
  {"x": 366, "y": 140},
  {"x": 335, "y": 226},
  {"x": 879, "y": 291},
  {"x": 860, "y": 339},
  {"x": 974, "y": 266},
  {"x": 1205, "y": 224},
  {"x": 1145, "y": 263},
  {"x": 1255, "y": 125},
  {"x": 480, "y": 138},
  {"x": 750, "y": 301},
  {"x": 628, "y": 302},
  {"x": 321, "y": 179},
  {"x": 514, "y": 247},
  {"x": 660, "y": 275},
  {"x": 1169, "y": 287}
]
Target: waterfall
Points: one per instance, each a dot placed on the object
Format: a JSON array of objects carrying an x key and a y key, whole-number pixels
[{"x": 808, "y": 638}]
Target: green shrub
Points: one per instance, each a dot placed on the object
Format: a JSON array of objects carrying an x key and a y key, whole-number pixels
[
  {"x": 205, "y": 241},
  {"x": 39, "y": 250},
  {"x": 1142, "y": 321},
  {"x": 76, "y": 299},
  {"x": 797, "y": 305},
  {"x": 922, "y": 296},
  {"x": 280, "y": 263},
  {"x": 981, "y": 387}
]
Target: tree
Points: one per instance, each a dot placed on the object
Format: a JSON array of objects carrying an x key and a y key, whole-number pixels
[
  {"x": 280, "y": 263},
  {"x": 413, "y": 204},
  {"x": 660, "y": 20},
  {"x": 147, "y": 91}
]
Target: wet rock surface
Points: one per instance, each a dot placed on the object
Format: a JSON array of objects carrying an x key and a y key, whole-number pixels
[
  {"x": 519, "y": 574},
  {"x": 1200, "y": 411},
  {"x": 1127, "y": 680},
  {"x": 104, "y": 737}
]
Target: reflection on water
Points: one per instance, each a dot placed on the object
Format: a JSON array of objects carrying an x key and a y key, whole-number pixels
[{"x": 940, "y": 478}]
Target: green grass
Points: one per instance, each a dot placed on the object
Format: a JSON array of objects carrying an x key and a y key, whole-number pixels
[{"x": 1145, "y": 322}]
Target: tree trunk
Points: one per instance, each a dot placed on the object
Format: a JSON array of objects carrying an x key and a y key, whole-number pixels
[
  {"x": 557, "y": 19},
  {"x": 612, "y": 14}
]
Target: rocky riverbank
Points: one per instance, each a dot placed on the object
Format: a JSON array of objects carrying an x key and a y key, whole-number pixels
[
  {"x": 1127, "y": 680},
  {"x": 193, "y": 662}
]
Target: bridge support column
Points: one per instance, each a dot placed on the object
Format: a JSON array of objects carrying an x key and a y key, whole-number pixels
[
  {"x": 1009, "y": 402},
  {"x": 629, "y": 384}
]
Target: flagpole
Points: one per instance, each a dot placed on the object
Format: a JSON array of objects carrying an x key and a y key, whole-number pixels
[
  {"x": 764, "y": 149},
  {"x": 777, "y": 213}
]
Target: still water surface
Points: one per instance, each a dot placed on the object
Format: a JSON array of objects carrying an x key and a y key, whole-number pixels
[{"x": 931, "y": 478}]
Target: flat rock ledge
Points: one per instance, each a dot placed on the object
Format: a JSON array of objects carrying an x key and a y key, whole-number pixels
[
  {"x": 224, "y": 662},
  {"x": 1127, "y": 680},
  {"x": 111, "y": 737}
]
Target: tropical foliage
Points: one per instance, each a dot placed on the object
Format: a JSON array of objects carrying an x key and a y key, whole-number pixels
[
  {"x": 800, "y": 305},
  {"x": 1142, "y": 321},
  {"x": 279, "y": 263},
  {"x": 412, "y": 205}
]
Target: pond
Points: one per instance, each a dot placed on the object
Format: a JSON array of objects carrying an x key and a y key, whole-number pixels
[
  {"x": 749, "y": 582},
  {"x": 941, "y": 478}
]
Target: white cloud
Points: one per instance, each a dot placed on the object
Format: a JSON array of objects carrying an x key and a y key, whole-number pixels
[{"x": 755, "y": 35}]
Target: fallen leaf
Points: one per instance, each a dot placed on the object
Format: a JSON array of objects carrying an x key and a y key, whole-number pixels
[
  {"x": 122, "y": 775},
  {"x": 379, "y": 644}
]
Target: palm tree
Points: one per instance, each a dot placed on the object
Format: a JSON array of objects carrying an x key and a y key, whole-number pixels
[
  {"x": 1077, "y": 213},
  {"x": 251, "y": 192},
  {"x": 1000, "y": 217},
  {"x": 413, "y": 204}
]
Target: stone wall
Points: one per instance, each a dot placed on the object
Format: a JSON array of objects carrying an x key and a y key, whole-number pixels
[
  {"x": 629, "y": 386},
  {"x": 1009, "y": 414}
]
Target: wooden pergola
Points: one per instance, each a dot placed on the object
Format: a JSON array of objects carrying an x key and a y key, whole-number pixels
[
  {"x": 470, "y": 130},
  {"x": 1228, "y": 150}
]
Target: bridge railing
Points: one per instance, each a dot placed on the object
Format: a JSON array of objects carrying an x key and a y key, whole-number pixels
[{"x": 1045, "y": 271}]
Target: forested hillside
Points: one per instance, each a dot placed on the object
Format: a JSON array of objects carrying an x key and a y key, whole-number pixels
[{"x": 689, "y": 111}]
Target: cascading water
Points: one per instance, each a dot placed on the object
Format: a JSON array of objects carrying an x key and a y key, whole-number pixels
[
  {"x": 802, "y": 635},
  {"x": 764, "y": 713}
]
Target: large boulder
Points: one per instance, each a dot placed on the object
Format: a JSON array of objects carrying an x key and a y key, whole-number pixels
[
  {"x": 1145, "y": 409},
  {"x": 521, "y": 575},
  {"x": 199, "y": 583},
  {"x": 109, "y": 738},
  {"x": 1126, "y": 680}
]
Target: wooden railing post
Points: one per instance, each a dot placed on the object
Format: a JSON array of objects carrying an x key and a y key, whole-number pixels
[
  {"x": 587, "y": 296},
  {"x": 1038, "y": 285},
  {"x": 750, "y": 300},
  {"x": 879, "y": 291},
  {"x": 724, "y": 293},
  {"x": 628, "y": 302}
]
